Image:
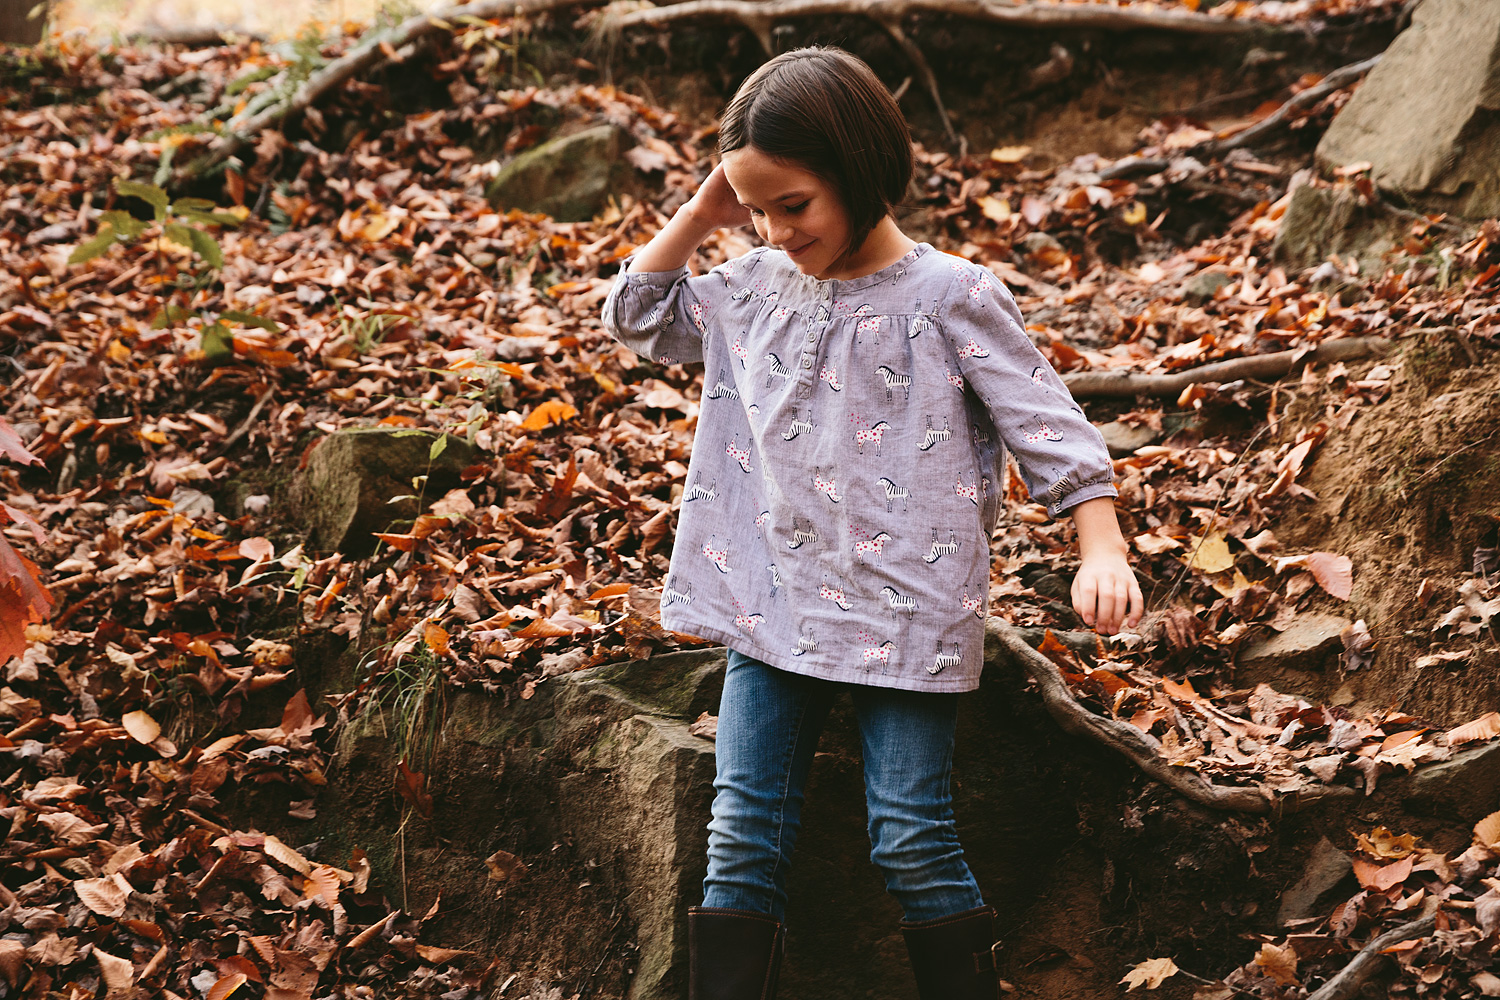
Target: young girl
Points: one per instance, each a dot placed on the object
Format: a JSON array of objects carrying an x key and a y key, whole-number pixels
[{"x": 860, "y": 393}]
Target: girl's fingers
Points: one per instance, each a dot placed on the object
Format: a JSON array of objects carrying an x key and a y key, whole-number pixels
[
  {"x": 1108, "y": 616},
  {"x": 1084, "y": 602}
]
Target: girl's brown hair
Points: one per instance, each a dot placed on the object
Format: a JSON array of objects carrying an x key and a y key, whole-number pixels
[{"x": 824, "y": 110}]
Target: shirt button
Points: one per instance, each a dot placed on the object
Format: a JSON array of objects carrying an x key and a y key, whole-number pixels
[
  {"x": 807, "y": 361},
  {"x": 812, "y": 337}
]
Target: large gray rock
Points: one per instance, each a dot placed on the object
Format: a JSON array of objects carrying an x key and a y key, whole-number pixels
[
  {"x": 1428, "y": 116},
  {"x": 1321, "y": 221},
  {"x": 1326, "y": 867},
  {"x": 1467, "y": 786},
  {"x": 569, "y": 178},
  {"x": 345, "y": 490}
]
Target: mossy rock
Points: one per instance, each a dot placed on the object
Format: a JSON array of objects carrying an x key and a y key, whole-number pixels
[
  {"x": 569, "y": 178},
  {"x": 345, "y": 491}
]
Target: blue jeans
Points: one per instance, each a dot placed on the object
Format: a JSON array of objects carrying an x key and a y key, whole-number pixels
[{"x": 769, "y": 723}]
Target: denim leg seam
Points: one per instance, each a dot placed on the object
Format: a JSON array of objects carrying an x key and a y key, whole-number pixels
[{"x": 786, "y": 792}]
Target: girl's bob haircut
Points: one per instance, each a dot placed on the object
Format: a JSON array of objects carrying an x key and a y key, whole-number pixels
[{"x": 824, "y": 110}]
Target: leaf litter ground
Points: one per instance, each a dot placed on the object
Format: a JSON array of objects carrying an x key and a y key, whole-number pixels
[{"x": 401, "y": 298}]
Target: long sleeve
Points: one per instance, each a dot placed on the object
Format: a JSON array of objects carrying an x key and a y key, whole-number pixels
[
  {"x": 662, "y": 315},
  {"x": 1062, "y": 456}
]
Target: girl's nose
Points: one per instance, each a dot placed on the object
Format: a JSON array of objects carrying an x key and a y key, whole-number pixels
[{"x": 779, "y": 233}]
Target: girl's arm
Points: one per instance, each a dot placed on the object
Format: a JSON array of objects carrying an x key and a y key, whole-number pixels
[
  {"x": 713, "y": 206},
  {"x": 1105, "y": 591}
]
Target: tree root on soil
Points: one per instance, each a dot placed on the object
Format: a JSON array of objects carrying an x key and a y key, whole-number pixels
[
  {"x": 376, "y": 47},
  {"x": 760, "y": 16},
  {"x": 1141, "y": 748},
  {"x": 1352, "y": 977},
  {"x": 1258, "y": 366},
  {"x": 1134, "y": 166}
]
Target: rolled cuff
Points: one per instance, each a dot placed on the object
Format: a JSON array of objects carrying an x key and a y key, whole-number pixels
[{"x": 1064, "y": 495}]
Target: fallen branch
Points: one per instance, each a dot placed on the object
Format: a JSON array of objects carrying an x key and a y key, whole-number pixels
[
  {"x": 1352, "y": 977},
  {"x": 1134, "y": 166},
  {"x": 1336, "y": 80},
  {"x": 1258, "y": 366},
  {"x": 1013, "y": 14},
  {"x": 372, "y": 49},
  {"x": 1139, "y": 747},
  {"x": 760, "y": 16}
]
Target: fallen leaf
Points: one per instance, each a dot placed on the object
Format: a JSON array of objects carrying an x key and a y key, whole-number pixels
[
  {"x": 1212, "y": 554},
  {"x": 1280, "y": 963},
  {"x": 1150, "y": 973},
  {"x": 1380, "y": 878},
  {"x": 105, "y": 896},
  {"x": 117, "y": 973},
  {"x": 1334, "y": 573},
  {"x": 226, "y": 985},
  {"x": 1485, "y": 727},
  {"x": 551, "y": 412},
  {"x": 440, "y": 956},
  {"x": 1487, "y": 832},
  {"x": 141, "y": 727}
]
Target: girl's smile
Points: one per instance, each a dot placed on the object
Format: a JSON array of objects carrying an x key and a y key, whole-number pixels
[{"x": 802, "y": 214}]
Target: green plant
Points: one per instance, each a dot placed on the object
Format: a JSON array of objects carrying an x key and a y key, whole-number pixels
[{"x": 187, "y": 222}]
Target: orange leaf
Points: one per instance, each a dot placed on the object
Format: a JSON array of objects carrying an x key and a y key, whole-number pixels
[
  {"x": 1483, "y": 728},
  {"x": 440, "y": 956},
  {"x": 1487, "y": 831},
  {"x": 412, "y": 785},
  {"x": 541, "y": 628},
  {"x": 322, "y": 881},
  {"x": 226, "y": 986},
  {"x": 334, "y": 588},
  {"x": 436, "y": 638},
  {"x": 403, "y": 542},
  {"x": 13, "y": 448},
  {"x": 553, "y": 411},
  {"x": 613, "y": 590},
  {"x": 1382, "y": 877}
]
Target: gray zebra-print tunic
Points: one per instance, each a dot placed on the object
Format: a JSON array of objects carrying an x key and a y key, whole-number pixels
[{"x": 876, "y": 587}]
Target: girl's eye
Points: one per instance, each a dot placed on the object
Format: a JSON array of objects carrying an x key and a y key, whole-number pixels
[{"x": 796, "y": 208}]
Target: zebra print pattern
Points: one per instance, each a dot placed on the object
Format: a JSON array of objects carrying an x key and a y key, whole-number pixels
[
  {"x": 698, "y": 492},
  {"x": 778, "y": 370},
  {"x": 943, "y": 660},
  {"x": 934, "y": 436},
  {"x": 940, "y": 549},
  {"x": 894, "y": 380},
  {"x": 899, "y": 601},
  {"x": 894, "y": 493},
  {"x": 722, "y": 389}
]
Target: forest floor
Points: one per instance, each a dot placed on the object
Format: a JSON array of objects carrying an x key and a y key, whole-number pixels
[{"x": 162, "y": 399}]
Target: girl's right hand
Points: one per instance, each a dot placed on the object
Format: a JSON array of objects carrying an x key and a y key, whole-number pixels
[{"x": 715, "y": 205}]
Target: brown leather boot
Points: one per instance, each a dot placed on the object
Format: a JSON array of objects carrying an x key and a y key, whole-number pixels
[
  {"x": 952, "y": 955},
  {"x": 733, "y": 954}
]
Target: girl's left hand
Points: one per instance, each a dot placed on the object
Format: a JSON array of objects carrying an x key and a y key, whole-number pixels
[{"x": 1106, "y": 594}]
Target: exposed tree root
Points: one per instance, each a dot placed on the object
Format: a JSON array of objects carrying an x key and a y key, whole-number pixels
[
  {"x": 1352, "y": 977},
  {"x": 760, "y": 16},
  {"x": 1258, "y": 366},
  {"x": 1134, "y": 166},
  {"x": 1141, "y": 748},
  {"x": 377, "y": 46}
]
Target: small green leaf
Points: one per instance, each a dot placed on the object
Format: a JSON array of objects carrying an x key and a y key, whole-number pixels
[
  {"x": 179, "y": 234},
  {"x": 208, "y": 248},
  {"x": 211, "y": 218},
  {"x": 218, "y": 344},
  {"x": 170, "y": 314},
  {"x": 437, "y": 448},
  {"x": 184, "y": 205},
  {"x": 95, "y": 247},
  {"x": 250, "y": 319},
  {"x": 149, "y": 193}
]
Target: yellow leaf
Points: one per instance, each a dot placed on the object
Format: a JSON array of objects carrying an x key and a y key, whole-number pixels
[
  {"x": 994, "y": 209},
  {"x": 1382, "y": 843},
  {"x": 141, "y": 727},
  {"x": 118, "y": 352},
  {"x": 1212, "y": 554},
  {"x": 1134, "y": 214},
  {"x": 436, "y": 638},
  {"x": 1150, "y": 973},
  {"x": 1280, "y": 963},
  {"x": 554, "y": 411},
  {"x": 379, "y": 227},
  {"x": 1010, "y": 154}
]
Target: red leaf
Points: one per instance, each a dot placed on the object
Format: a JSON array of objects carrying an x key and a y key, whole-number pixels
[
  {"x": 13, "y": 448},
  {"x": 412, "y": 785},
  {"x": 23, "y": 600}
]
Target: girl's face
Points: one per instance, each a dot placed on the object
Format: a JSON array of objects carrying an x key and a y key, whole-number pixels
[{"x": 792, "y": 209}]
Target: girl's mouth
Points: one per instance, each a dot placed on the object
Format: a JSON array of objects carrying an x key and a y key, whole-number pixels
[{"x": 800, "y": 250}]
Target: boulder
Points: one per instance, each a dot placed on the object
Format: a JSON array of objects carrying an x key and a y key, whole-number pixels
[
  {"x": 344, "y": 491},
  {"x": 1203, "y": 286},
  {"x": 1322, "y": 220},
  {"x": 1298, "y": 660},
  {"x": 1427, "y": 118},
  {"x": 569, "y": 178},
  {"x": 1466, "y": 786},
  {"x": 1326, "y": 867}
]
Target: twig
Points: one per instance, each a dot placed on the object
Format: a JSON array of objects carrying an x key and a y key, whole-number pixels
[
  {"x": 1139, "y": 747},
  {"x": 1352, "y": 977},
  {"x": 244, "y": 426},
  {"x": 1336, "y": 80},
  {"x": 1261, "y": 366}
]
